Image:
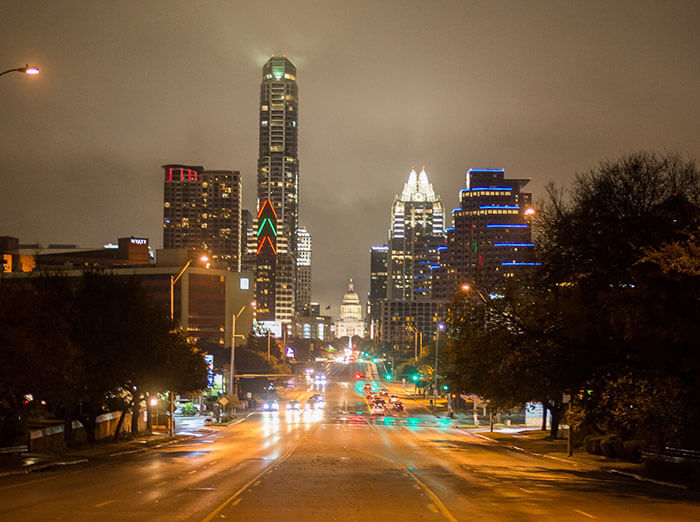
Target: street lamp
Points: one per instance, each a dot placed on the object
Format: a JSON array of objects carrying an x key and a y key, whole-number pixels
[
  {"x": 440, "y": 326},
  {"x": 233, "y": 347},
  {"x": 173, "y": 280},
  {"x": 29, "y": 70}
]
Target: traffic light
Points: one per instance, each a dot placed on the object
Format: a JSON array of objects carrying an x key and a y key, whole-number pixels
[
  {"x": 414, "y": 377},
  {"x": 358, "y": 376},
  {"x": 445, "y": 387},
  {"x": 388, "y": 377}
]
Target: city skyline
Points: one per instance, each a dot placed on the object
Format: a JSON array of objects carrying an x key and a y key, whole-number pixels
[{"x": 546, "y": 92}]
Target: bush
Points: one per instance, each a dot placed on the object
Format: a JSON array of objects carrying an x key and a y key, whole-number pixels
[
  {"x": 611, "y": 446},
  {"x": 592, "y": 444},
  {"x": 188, "y": 410},
  {"x": 632, "y": 450}
]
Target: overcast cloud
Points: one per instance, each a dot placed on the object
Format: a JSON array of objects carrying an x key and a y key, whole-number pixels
[{"x": 542, "y": 89}]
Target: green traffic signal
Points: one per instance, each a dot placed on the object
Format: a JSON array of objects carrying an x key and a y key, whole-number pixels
[
  {"x": 388, "y": 376},
  {"x": 445, "y": 387},
  {"x": 414, "y": 377}
]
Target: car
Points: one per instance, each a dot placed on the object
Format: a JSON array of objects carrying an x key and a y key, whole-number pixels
[
  {"x": 397, "y": 406},
  {"x": 367, "y": 388},
  {"x": 384, "y": 393},
  {"x": 271, "y": 405},
  {"x": 380, "y": 402},
  {"x": 293, "y": 406},
  {"x": 315, "y": 402},
  {"x": 378, "y": 409},
  {"x": 394, "y": 399}
]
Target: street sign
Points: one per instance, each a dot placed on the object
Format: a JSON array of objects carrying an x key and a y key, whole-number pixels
[
  {"x": 209, "y": 360},
  {"x": 223, "y": 401}
]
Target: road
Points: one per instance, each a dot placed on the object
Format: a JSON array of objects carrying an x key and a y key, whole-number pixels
[{"x": 336, "y": 464}]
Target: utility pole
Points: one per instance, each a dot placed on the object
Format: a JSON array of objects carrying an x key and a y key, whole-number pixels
[
  {"x": 440, "y": 326},
  {"x": 268, "y": 345}
]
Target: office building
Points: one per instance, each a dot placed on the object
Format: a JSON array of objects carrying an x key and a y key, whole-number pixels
[
  {"x": 491, "y": 237},
  {"x": 417, "y": 230},
  {"x": 202, "y": 211},
  {"x": 378, "y": 266},
  {"x": 400, "y": 320},
  {"x": 303, "y": 286}
]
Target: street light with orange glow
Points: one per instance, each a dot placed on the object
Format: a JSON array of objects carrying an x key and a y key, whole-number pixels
[
  {"x": 173, "y": 280},
  {"x": 29, "y": 70}
]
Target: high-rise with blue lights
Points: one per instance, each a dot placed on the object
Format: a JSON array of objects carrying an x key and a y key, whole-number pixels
[
  {"x": 417, "y": 230},
  {"x": 491, "y": 239}
]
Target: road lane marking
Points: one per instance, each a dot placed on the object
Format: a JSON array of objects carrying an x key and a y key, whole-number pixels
[
  {"x": 237, "y": 501},
  {"x": 526, "y": 490},
  {"x": 256, "y": 484},
  {"x": 101, "y": 504},
  {"x": 193, "y": 471},
  {"x": 432, "y": 508},
  {"x": 245, "y": 486},
  {"x": 161, "y": 483},
  {"x": 584, "y": 513},
  {"x": 436, "y": 500}
]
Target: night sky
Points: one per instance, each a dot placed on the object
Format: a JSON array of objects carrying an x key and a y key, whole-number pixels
[{"x": 542, "y": 89}]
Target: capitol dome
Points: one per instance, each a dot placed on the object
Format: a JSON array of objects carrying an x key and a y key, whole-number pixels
[
  {"x": 351, "y": 297},
  {"x": 350, "y": 322}
]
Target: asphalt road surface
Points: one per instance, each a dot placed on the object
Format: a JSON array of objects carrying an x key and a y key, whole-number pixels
[{"x": 338, "y": 463}]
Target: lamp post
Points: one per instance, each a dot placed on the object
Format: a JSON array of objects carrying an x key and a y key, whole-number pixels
[
  {"x": 231, "y": 389},
  {"x": 29, "y": 70},
  {"x": 440, "y": 326},
  {"x": 173, "y": 280}
]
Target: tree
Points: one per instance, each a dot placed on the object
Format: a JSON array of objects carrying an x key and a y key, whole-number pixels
[
  {"x": 81, "y": 344},
  {"x": 620, "y": 250},
  {"x": 610, "y": 314}
]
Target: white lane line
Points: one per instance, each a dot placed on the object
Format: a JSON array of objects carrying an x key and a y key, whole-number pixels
[
  {"x": 432, "y": 508},
  {"x": 161, "y": 483},
  {"x": 584, "y": 513},
  {"x": 526, "y": 490},
  {"x": 104, "y": 503},
  {"x": 236, "y": 496},
  {"x": 193, "y": 471},
  {"x": 256, "y": 484},
  {"x": 237, "y": 501}
]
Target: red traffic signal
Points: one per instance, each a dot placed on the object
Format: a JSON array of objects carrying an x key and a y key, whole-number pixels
[{"x": 358, "y": 376}]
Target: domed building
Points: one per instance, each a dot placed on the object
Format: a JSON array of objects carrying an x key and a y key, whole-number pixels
[{"x": 350, "y": 322}]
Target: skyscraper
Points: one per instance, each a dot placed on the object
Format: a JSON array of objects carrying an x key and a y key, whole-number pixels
[
  {"x": 417, "y": 230},
  {"x": 202, "y": 210},
  {"x": 491, "y": 239},
  {"x": 278, "y": 173},
  {"x": 303, "y": 286},
  {"x": 401, "y": 296},
  {"x": 378, "y": 263}
]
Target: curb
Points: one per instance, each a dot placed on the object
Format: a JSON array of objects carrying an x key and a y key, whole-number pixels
[
  {"x": 645, "y": 479},
  {"x": 39, "y": 467},
  {"x": 627, "y": 474}
]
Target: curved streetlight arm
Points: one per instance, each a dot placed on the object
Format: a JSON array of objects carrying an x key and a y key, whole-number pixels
[{"x": 27, "y": 69}]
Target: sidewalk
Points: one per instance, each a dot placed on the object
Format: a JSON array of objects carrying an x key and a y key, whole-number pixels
[{"x": 103, "y": 450}]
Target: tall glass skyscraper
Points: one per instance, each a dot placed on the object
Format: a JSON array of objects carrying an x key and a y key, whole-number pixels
[
  {"x": 278, "y": 173},
  {"x": 417, "y": 230}
]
